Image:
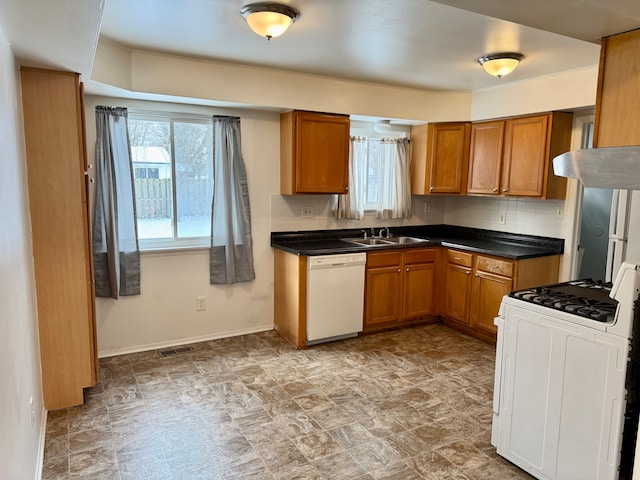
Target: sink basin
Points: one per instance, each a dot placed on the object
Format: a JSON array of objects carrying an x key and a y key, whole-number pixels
[
  {"x": 368, "y": 242},
  {"x": 372, "y": 242},
  {"x": 405, "y": 240}
]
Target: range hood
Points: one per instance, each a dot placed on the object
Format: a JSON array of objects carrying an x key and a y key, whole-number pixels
[{"x": 608, "y": 167}]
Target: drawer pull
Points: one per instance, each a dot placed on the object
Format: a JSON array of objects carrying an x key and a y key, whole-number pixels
[
  {"x": 477, "y": 275},
  {"x": 468, "y": 273},
  {"x": 458, "y": 259}
]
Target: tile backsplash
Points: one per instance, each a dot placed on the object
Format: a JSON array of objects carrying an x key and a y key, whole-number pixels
[
  {"x": 516, "y": 215},
  {"x": 314, "y": 212},
  {"x": 533, "y": 217}
]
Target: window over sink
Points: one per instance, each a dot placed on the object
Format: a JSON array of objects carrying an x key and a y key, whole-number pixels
[{"x": 371, "y": 160}]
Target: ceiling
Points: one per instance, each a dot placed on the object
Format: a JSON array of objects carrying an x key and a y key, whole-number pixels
[{"x": 414, "y": 43}]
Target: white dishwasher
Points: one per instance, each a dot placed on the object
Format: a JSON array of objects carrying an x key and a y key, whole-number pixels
[{"x": 335, "y": 296}]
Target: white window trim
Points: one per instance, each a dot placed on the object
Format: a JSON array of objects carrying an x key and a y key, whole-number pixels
[{"x": 183, "y": 243}]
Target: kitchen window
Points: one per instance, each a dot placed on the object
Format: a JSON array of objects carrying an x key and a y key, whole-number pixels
[
  {"x": 372, "y": 162},
  {"x": 172, "y": 163}
]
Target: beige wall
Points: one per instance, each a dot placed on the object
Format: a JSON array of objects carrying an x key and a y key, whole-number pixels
[
  {"x": 165, "y": 313},
  {"x": 561, "y": 91},
  {"x": 21, "y": 441},
  {"x": 206, "y": 80}
]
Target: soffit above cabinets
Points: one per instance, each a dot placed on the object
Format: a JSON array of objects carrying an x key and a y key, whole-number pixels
[{"x": 417, "y": 43}]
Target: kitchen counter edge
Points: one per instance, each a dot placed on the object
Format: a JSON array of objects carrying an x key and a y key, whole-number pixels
[{"x": 489, "y": 242}]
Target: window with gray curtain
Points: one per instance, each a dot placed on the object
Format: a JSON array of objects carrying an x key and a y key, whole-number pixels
[
  {"x": 116, "y": 256},
  {"x": 231, "y": 258}
]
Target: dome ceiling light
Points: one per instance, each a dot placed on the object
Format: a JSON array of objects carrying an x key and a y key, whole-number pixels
[
  {"x": 269, "y": 19},
  {"x": 500, "y": 64}
]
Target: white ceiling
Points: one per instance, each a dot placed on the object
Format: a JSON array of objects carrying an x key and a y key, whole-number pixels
[{"x": 415, "y": 43}]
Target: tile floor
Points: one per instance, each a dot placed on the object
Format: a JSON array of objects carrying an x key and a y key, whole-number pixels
[{"x": 406, "y": 404}]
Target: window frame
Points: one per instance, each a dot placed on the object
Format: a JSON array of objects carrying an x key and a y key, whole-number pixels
[
  {"x": 371, "y": 134},
  {"x": 175, "y": 243}
]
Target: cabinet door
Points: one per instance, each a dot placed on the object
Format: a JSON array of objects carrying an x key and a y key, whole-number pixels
[
  {"x": 458, "y": 292},
  {"x": 448, "y": 155},
  {"x": 525, "y": 156},
  {"x": 60, "y": 234},
  {"x": 617, "y": 113},
  {"x": 383, "y": 295},
  {"x": 488, "y": 290},
  {"x": 485, "y": 157},
  {"x": 418, "y": 290},
  {"x": 321, "y": 153}
]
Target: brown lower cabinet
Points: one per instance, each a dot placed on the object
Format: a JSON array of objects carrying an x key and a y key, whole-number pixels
[
  {"x": 474, "y": 285},
  {"x": 416, "y": 285},
  {"x": 399, "y": 288}
]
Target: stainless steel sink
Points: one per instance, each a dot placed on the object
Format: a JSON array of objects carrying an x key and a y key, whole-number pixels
[
  {"x": 379, "y": 242},
  {"x": 405, "y": 240},
  {"x": 368, "y": 242}
]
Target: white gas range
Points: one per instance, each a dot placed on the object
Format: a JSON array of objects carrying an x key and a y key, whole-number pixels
[{"x": 566, "y": 381}]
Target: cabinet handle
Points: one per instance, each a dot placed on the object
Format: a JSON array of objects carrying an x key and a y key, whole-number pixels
[
  {"x": 407, "y": 269},
  {"x": 399, "y": 270},
  {"x": 431, "y": 189},
  {"x": 346, "y": 189},
  {"x": 505, "y": 190},
  {"x": 477, "y": 275},
  {"x": 457, "y": 258},
  {"x": 467, "y": 273},
  {"x": 495, "y": 190}
]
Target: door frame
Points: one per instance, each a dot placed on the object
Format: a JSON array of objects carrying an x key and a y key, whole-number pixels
[{"x": 573, "y": 202}]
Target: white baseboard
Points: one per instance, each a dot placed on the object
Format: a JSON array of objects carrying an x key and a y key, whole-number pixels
[
  {"x": 42, "y": 437},
  {"x": 181, "y": 341}
]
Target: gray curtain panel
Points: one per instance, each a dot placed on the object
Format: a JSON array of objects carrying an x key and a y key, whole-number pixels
[
  {"x": 116, "y": 256},
  {"x": 231, "y": 258}
]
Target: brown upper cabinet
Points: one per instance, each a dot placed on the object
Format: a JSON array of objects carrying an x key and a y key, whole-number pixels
[
  {"x": 440, "y": 158},
  {"x": 314, "y": 153},
  {"x": 514, "y": 156},
  {"x": 617, "y": 114},
  {"x": 485, "y": 157}
]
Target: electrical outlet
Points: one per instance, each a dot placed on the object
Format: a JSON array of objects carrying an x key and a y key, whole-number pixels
[
  {"x": 32, "y": 411},
  {"x": 429, "y": 207},
  {"x": 502, "y": 218},
  {"x": 558, "y": 212},
  {"x": 307, "y": 212},
  {"x": 201, "y": 303}
]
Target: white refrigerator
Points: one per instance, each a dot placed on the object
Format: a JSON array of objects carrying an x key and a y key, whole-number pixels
[{"x": 619, "y": 231}]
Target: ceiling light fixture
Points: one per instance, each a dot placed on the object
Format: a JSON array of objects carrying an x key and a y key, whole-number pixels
[
  {"x": 500, "y": 64},
  {"x": 269, "y": 19}
]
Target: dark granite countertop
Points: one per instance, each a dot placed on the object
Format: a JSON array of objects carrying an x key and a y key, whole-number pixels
[{"x": 502, "y": 244}]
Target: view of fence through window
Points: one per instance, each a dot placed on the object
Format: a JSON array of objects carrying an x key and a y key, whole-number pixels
[{"x": 173, "y": 167}]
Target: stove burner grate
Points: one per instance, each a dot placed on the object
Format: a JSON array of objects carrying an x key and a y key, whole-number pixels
[{"x": 585, "y": 298}]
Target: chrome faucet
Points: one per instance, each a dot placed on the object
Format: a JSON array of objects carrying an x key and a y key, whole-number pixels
[
  {"x": 386, "y": 230},
  {"x": 365, "y": 233},
  {"x": 373, "y": 232}
]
